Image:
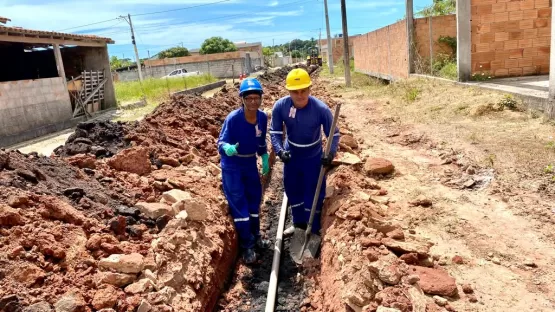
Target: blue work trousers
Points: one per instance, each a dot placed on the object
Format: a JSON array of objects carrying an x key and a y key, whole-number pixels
[
  {"x": 300, "y": 178},
  {"x": 243, "y": 191}
]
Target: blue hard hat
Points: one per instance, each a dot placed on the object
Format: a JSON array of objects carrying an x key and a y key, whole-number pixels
[{"x": 250, "y": 84}]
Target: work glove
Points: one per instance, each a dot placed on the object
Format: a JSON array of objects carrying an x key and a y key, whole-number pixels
[
  {"x": 265, "y": 164},
  {"x": 326, "y": 160},
  {"x": 230, "y": 150},
  {"x": 285, "y": 156}
]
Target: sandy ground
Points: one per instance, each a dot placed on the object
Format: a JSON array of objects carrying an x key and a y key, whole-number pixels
[{"x": 507, "y": 258}]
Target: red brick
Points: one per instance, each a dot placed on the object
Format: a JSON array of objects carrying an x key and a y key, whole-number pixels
[
  {"x": 483, "y": 56},
  {"x": 523, "y": 62},
  {"x": 541, "y": 22},
  {"x": 502, "y": 17},
  {"x": 516, "y": 53},
  {"x": 513, "y": 6},
  {"x": 541, "y": 60},
  {"x": 516, "y": 15},
  {"x": 515, "y": 71},
  {"x": 483, "y": 29},
  {"x": 544, "y": 50},
  {"x": 525, "y": 43},
  {"x": 501, "y": 36},
  {"x": 527, "y": 5},
  {"x": 516, "y": 35},
  {"x": 530, "y": 70},
  {"x": 498, "y": 8},
  {"x": 497, "y": 46},
  {"x": 487, "y": 38},
  {"x": 497, "y": 64},
  {"x": 512, "y": 26},
  {"x": 511, "y": 63},
  {"x": 499, "y": 27},
  {"x": 511, "y": 44},
  {"x": 501, "y": 55},
  {"x": 542, "y": 4},
  {"x": 487, "y": 18},
  {"x": 530, "y": 14},
  {"x": 544, "y": 32},
  {"x": 542, "y": 42},
  {"x": 482, "y": 47},
  {"x": 484, "y": 9},
  {"x": 530, "y": 52},
  {"x": 474, "y": 10},
  {"x": 530, "y": 33},
  {"x": 544, "y": 13},
  {"x": 501, "y": 72},
  {"x": 544, "y": 69},
  {"x": 526, "y": 24}
]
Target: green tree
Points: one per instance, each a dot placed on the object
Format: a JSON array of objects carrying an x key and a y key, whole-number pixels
[
  {"x": 116, "y": 62},
  {"x": 296, "y": 54},
  {"x": 439, "y": 7},
  {"x": 174, "y": 52},
  {"x": 217, "y": 45}
]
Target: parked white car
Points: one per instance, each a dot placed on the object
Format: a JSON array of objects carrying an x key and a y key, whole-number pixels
[{"x": 182, "y": 72}]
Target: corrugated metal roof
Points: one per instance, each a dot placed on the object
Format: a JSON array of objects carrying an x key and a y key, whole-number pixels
[{"x": 15, "y": 31}]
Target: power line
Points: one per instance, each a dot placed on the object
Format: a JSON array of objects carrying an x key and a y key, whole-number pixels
[
  {"x": 101, "y": 22},
  {"x": 190, "y": 7}
]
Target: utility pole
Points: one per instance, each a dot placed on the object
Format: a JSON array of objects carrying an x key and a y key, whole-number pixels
[
  {"x": 346, "y": 45},
  {"x": 128, "y": 20},
  {"x": 330, "y": 50}
]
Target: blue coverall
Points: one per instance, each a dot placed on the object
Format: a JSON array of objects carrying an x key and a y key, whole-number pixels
[
  {"x": 304, "y": 142},
  {"x": 241, "y": 182}
]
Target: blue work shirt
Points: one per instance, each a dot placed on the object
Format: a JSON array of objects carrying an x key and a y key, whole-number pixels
[
  {"x": 303, "y": 127},
  {"x": 251, "y": 138}
]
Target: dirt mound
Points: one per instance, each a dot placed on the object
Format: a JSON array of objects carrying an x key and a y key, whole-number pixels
[
  {"x": 280, "y": 74},
  {"x": 101, "y": 138}
]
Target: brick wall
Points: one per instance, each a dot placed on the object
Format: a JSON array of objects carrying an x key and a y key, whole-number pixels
[
  {"x": 511, "y": 38},
  {"x": 445, "y": 25},
  {"x": 32, "y": 104},
  {"x": 337, "y": 47},
  {"x": 383, "y": 52}
]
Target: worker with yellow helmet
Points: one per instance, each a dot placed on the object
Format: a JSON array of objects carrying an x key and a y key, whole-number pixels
[{"x": 304, "y": 116}]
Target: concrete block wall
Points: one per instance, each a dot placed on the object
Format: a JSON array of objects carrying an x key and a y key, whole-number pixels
[
  {"x": 383, "y": 53},
  {"x": 31, "y": 104},
  {"x": 511, "y": 38},
  {"x": 220, "y": 69},
  {"x": 445, "y": 25}
]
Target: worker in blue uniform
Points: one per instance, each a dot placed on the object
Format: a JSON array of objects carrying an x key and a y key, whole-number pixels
[
  {"x": 242, "y": 137},
  {"x": 304, "y": 117}
]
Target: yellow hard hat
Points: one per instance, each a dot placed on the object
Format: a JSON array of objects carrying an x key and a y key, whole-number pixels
[{"x": 297, "y": 79}]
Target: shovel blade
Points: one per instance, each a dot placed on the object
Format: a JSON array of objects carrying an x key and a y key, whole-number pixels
[{"x": 311, "y": 249}]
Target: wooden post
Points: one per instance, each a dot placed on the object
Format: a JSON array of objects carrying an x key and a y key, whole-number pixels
[
  {"x": 60, "y": 63},
  {"x": 431, "y": 32}
]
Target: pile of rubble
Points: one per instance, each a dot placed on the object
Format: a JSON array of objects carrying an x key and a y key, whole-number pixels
[{"x": 375, "y": 264}]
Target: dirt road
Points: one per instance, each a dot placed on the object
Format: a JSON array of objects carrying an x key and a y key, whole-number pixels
[{"x": 506, "y": 258}]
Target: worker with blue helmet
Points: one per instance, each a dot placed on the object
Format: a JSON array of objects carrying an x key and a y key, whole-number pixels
[{"x": 242, "y": 137}]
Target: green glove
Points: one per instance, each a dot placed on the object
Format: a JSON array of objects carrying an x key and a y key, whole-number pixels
[
  {"x": 230, "y": 150},
  {"x": 265, "y": 164}
]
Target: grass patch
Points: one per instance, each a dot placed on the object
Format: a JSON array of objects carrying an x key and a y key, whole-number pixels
[
  {"x": 156, "y": 89},
  {"x": 449, "y": 71}
]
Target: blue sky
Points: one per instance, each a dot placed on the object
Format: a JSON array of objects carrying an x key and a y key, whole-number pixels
[{"x": 177, "y": 23}]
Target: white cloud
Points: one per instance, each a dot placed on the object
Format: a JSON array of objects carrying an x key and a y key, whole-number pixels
[{"x": 274, "y": 3}]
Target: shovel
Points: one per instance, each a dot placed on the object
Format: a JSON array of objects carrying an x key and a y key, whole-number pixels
[{"x": 304, "y": 242}]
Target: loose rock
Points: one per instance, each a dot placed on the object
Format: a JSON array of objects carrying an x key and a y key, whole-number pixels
[
  {"x": 435, "y": 281},
  {"x": 71, "y": 302},
  {"x": 378, "y": 166},
  {"x": 105, "y": 298},
  {"x": 154, "y": 210},
  {"x": 132, "y": 263},
  {"x": 467, "y": 289},
  {"x": 39, "y": 307}
]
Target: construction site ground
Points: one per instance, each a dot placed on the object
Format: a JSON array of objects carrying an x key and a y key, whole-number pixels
[{"x": 441, "y": 200}]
